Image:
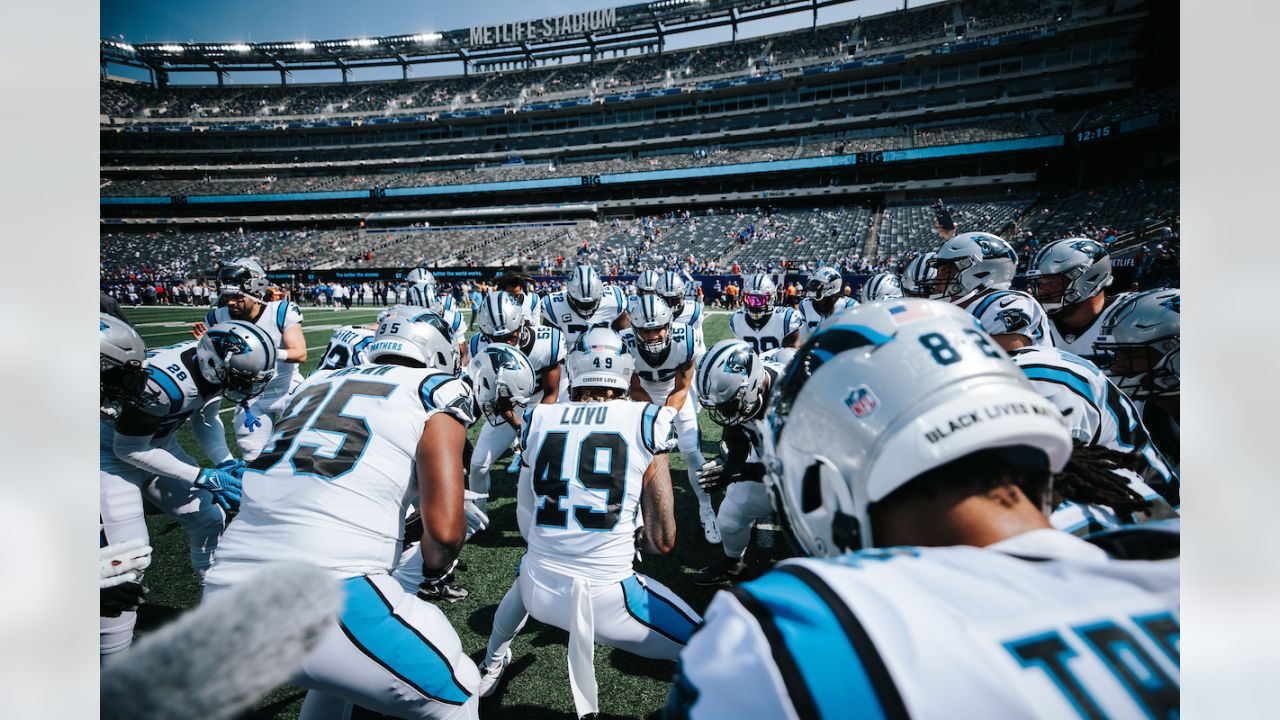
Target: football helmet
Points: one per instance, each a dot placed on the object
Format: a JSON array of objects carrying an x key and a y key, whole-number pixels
[
  {"x": 1066, "y": 272},
  {"x": 239, "y": 357},
  {"x": 499, "y": 315},
  {"x": 647, "y": 282},
  {"x": 917, "y": 278},
  {"x": 243, "y": 276},
  {"x": 122, "y": 366},
  {"x": 757, "y": 296},
  {"x": 1141, "y": 346},
  {"x": 585, "y": 289},
  {"x": 891, "y": 391},
  {"x": 417, "y": 334},
  {"x": 650, "y": 313},
  {"x": 600, "y": 360},
  {"x": 504, "y": 380},
  {"x": 730, "y": 382},
  {"x": 881, "y": 286},
  {"x": 419, "y": 275},
  {"x": 424, "y": 294},
  {"x": 671, "y": 288},
  {"x": 972, "y": 262},
  {"x": 823, "y": 283}
]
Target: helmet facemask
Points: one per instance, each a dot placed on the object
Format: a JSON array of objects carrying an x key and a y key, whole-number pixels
[
  {"x": 675, "y": 302},
  {"x": 654, "y": 351},
  {"x": 758, "y": 305},
  {"x": 120, "y": 387},
  {"x": 584, "y": 308}
]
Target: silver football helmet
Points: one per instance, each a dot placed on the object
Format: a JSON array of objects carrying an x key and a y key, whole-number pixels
[
  {"x": 416, "y": 334},
  {"x": 237, "y": 356},
  {"x": 122, "y": 366},
  {"x": 1070, "y": 271},
  {"x": 917, "y": 278},
  {"x": 585, "y": 290},
  {"x": 757, "y": 296},
  {"x": 424, "y": 294},
  {"x": 499, "y": 315},
  {"x": 823, "y": 283},
  {"x": 650, "y": 313},
  {"x": 671, "y": 288},
  {"x": 972, "y": 262},
  {"x": 600, "y": 360},
  {"x": 418, "y": 275},
  {"x": 1141, "y": 344},
  {"x": 730, "y": 382},
  {"x": 504, "y": 380},
  {"x": 647, "y": 282},
  {"x": 889, "y": 392},
  {"x": 243, "y": 276},
  {"x": 881, "y": 286}
]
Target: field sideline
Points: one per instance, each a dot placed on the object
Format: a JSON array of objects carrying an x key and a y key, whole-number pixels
[{"x": 537, "y": 683}]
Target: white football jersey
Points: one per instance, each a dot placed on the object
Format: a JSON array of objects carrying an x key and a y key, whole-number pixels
[
  {"x": 1012, "y": 312},
  {"x": 780, "y": 324},
  {"x": 544, "y": 347},
  {"x": 175, "y": 391},
  {"x": 529, "y": 307},
  {"x": 813, "y": 318},
  {"x": 1082, "y": 343},
  {"x": 1041, "y": 625},
  {"x": 277, "y": 316},
  {"x": 558, "y": 313},
  {"x": 332, "y": 486},
  {"x": 659, "y": 380},
  {"x": 692, "y": 314},
  {"x": 580, "y": 482},
  {"x": 1087, "y": 519},
  {"x": 346, "y": 347}
]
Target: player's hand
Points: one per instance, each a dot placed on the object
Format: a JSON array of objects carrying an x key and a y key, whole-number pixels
[
  {"x": 437, "y": 584},
  {"x": 235, "y": 466},
  {"x": 225, "y": 487},
  {"x": 198, "y": 330},
  {"x": 477, "y": 519},
  {"x": 125, "y": 597},
  {"x": 123, "y": 562},
  {"x": 709, "y": 476}
]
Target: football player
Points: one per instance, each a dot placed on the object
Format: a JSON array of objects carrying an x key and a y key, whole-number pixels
[
  {"x": 242, "y": 295},
  {"x": 881, "y": 286},
  {"x": 597, "y": 486},
  {"x": 686, "y": 307},
  {"x": 1143, "y": 487},
  {"x": 503, "y": 323},
  {"x": 1069, "y": 279},
  {"x": 823, "y": 298},
  {"x": 918, "y": 276},
  {"x": 139, "y": 454},
  {"x": 516, "y": 284},
  {"x": 424, "y": 293},
  {"x": 353, "y": 449},
  {"x": 762, "y": 324},
  {"x": 646, "y": 283},
  {"x": 585, "y": 303},
  {"x": 912, "y": 461},
  {"x": 663, "y": 353},
  {"x": 346, "y": 347},
  {"x": 1141, "y": 347},
  {"x": 734, "y": 381},
  {"x": 974, "y": 272}
]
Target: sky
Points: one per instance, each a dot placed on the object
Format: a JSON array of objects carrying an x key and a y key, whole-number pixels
[{"x": 140, "y": 21}]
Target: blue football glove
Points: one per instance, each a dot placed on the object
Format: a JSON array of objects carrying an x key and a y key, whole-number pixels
[
  {"x": 251, "y": 421},
  {"x": 224, "y": 486},
  {"x": 233, "y": 466}
]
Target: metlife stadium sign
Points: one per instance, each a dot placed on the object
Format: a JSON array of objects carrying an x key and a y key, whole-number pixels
[{"x": 544, "y": 28}]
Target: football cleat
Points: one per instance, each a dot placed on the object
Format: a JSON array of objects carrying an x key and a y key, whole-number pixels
[{"x": 491, "y": 674}]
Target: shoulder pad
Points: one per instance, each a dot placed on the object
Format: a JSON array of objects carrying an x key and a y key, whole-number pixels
[{"x": 442, "y": 392}]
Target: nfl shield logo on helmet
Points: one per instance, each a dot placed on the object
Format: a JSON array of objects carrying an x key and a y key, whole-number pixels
[{"x": 862, "y": 401}]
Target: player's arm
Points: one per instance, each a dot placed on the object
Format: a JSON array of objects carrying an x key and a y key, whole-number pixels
[
  {"x": 439, "y": 468},
  {"x": 637, "y": 390},
  {"x": 295, "y": 345},
  {"x": 210, "y": 433},
  {"x": 1011, "y": 341},
  {"x": 792, "y": 340},
  {"x": 684, "y": 380},
  {"x": 135, "y": 444},
  {"x": 551, "y": 384},
  {"x": 622, "y": 322},
  {"x": 657, "y": 506}
]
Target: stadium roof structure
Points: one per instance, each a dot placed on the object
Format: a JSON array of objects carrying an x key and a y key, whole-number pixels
[{"x": 592, "y": 33}]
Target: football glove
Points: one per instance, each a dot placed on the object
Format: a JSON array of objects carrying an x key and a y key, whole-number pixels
[
  {"x": 717, "y": 475},
  {"x": 437, "y": 584},
  {"x": 225, "y": 487},
  {"x": 477, "y": 519},
  {"x": 125, "y": 597},
  {"x": 234, "y": 466},
  {"x": 123, "y": 562}
]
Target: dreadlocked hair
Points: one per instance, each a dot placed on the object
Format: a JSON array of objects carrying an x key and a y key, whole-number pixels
[{"x": 1090, "y": 478}]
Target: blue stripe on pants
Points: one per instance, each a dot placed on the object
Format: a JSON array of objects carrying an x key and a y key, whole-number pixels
[
  {"x": 656, "y": 612},
  {"x": 391, "y": 642}
]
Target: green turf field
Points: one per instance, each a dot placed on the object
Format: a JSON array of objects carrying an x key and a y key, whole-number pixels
[{"x": 537, "y": 682}]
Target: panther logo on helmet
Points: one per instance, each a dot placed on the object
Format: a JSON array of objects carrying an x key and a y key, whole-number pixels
[
  {"x": 1174, "y": 303},
  {"x": 228, "y": 343},
  {"x": 1090, "y": 248}
]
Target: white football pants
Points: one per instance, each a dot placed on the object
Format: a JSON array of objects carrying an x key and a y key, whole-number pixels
[{"x": 744, "y": 504}]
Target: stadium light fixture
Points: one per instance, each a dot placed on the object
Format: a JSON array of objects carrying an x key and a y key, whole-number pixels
[
  {"x": 427, "y": 38},
  {"x": 241, "y": 47},
  {"x": 364, "y": 42},
  {"x": 304, "y": 45},
  {"x": 170, "y": 48}
]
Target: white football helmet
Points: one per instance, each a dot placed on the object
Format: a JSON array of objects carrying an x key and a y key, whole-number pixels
[
  {"x": 600, "y": 360},
  {"x": 499, "y": 315},
  {"x": 891, "y": 391},
  {"x": 757, "y": 296},
  {"x": 671, "y": 288},
  {"x": 651, "y": 313},
  {"x": 917, "y": 278},
  {"x": 122, "y": 366},
  {"x": 972, "y": 262},
  {"x": 881, "y": 286},
  {"x": 584, "y": 291},
  {"x": 823, "y": 283},
  {"x": 504, "y": 380},
  {"x": 243, "y": 276},
  {"x": 418, "y": 275},
  {"x": 647, "y": 282},
  {"x": 417, "y": 334},
  {"x": 1141, "y": 341},
  {"x": 1066, "y": 272},
  {"x": 424, "y": 294},
  {"x": 730, "y": 382},
  {"x": 239, "y": 357}
]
